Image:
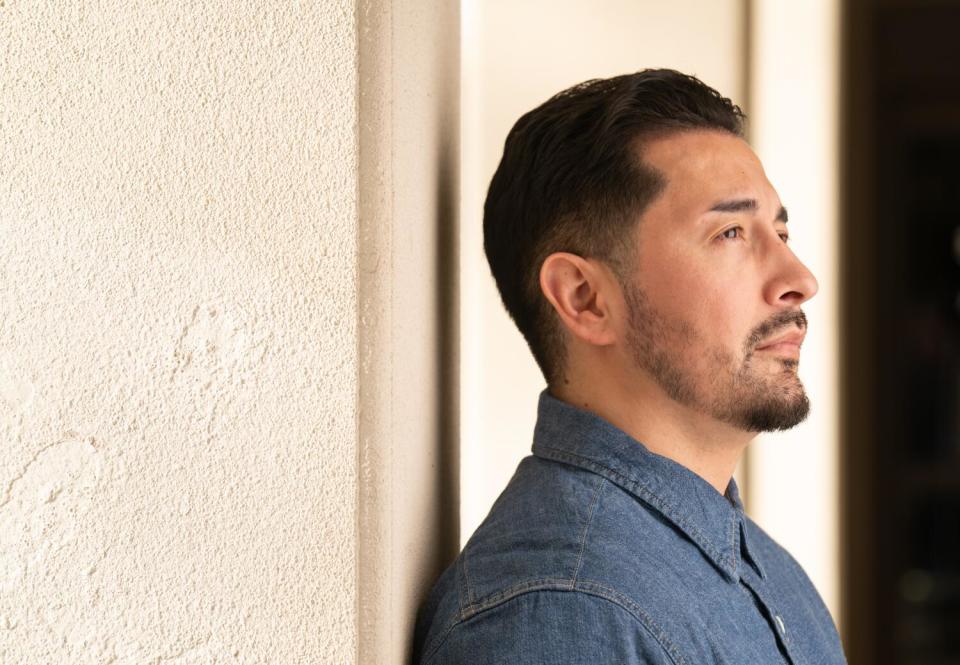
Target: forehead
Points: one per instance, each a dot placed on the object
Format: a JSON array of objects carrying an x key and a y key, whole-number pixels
[{"x": 702, "y": 167}]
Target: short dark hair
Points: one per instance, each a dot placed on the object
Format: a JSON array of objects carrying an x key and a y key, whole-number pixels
[{"x": 571, "y": 180}]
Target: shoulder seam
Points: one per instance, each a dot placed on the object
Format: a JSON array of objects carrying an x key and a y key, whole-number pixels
[
  {"x": 586, "y": 527},
  {"x": 586, "y": 587}
]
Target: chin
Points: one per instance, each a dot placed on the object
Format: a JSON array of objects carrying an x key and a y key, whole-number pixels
[{"x": 775, "y": 415}]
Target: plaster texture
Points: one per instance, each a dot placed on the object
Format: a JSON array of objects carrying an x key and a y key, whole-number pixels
[{"x": 178, "y": 339}]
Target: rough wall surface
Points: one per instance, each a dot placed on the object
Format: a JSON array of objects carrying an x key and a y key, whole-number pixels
[{"x": 178, "y": 332}]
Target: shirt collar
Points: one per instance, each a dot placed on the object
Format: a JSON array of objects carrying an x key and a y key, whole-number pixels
[{"x": 569, "y": 434}]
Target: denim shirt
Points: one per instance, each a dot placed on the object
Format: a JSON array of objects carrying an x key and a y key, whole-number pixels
[{"x": 601, "y": 551}]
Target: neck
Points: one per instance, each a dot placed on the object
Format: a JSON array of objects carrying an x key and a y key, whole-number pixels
[{"x": 706, "y": 446}]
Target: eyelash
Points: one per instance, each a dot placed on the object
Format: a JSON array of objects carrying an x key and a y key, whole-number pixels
[{"x": 783, "y": 236}]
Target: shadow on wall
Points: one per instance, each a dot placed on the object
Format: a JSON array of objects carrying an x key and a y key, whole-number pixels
[{"x": 446, "y": 519}]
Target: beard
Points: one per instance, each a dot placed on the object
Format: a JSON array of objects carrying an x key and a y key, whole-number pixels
[{"x": 712, "y": 379}]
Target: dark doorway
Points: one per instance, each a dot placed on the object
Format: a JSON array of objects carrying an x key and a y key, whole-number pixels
[{"x": 900, "y": 305}]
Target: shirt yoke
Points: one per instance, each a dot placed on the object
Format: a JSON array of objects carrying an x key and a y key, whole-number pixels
[
  {"x": 537, "y": 540},
  {"x": 560, "y": 626}
]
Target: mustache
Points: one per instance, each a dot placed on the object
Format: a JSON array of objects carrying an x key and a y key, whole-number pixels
[{"x": 775, "y": 324}]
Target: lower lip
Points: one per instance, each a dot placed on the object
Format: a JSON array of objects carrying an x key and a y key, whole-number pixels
[{"x": 785, "y": 348}]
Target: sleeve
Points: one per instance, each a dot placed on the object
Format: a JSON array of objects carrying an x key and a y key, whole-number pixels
[{"x": 550, "y": 627}]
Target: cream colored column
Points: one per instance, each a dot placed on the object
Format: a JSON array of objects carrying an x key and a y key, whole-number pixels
[
  {"x": 222, "y": 267},
  {"x": 793, "y": 487},
  {"x": 409, "y": 154}
]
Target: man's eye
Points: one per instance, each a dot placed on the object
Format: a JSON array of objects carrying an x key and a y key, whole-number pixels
[{"x": 731, "y": 234}]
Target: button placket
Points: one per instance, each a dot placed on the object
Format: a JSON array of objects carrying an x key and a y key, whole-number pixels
[{"x": 778, "y": 624}]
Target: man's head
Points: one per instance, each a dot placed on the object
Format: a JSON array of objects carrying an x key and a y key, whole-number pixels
[{"x": 630, "y": 225}]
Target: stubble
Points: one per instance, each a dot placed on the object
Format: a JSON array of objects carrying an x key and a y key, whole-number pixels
[{"x": 711, "y": 379}]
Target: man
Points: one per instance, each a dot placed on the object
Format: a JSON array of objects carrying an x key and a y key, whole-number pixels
[{"x": 640, "y": 249}]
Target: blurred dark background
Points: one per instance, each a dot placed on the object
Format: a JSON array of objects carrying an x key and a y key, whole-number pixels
[{"x": 901, "y": 261}]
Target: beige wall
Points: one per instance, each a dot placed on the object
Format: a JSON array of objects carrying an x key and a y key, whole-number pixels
[
  {"x": 409, "y": 105},
  {"x": 188, "y": 409}
]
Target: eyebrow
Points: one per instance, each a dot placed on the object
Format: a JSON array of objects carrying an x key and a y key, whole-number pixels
[{"x": 739, "y": 205}]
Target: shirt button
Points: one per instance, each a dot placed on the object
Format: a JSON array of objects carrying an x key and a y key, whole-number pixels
[{"x": 780, "y": 624}]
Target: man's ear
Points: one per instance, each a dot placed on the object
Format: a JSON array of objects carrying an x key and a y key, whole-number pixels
[{"x": 580, "y": 293}]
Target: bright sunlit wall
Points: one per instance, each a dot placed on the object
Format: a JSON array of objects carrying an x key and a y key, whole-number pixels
[{"x": 778, "y": 61}]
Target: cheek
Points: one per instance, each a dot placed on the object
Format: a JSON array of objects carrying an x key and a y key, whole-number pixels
[
  {"x": 715, "y": 308},
  {"x": 674, "y": 283}
]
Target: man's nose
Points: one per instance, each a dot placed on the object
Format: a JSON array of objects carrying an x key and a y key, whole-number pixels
[{"x": 791, "y": 283}]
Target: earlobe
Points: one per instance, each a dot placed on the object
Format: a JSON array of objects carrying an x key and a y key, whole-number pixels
[{"x": 576, "y": 290}]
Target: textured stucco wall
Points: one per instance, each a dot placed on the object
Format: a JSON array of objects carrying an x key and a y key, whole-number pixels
[{"x": 178, "y": 354}]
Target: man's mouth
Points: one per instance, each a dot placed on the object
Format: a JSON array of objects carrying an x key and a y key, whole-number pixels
[{"x": 788, "y": 343}]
